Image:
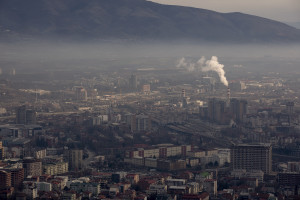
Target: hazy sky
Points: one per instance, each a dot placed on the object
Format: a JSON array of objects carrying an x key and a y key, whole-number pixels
[{"x": 281, "y": 10}]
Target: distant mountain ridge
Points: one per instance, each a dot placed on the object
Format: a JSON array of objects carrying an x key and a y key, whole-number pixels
[
  {"x": 135, "y": 19},
  {"x": 294, "y": 24}
]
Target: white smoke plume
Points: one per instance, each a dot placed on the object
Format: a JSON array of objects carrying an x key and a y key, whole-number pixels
[
  {"x": 201, "y": 61},
  {"x": 205, "y": 66},
  {"x": 182, "y": 63},
  {"x": 214, "y": 65},
  {"x": 191, "y": 67}
]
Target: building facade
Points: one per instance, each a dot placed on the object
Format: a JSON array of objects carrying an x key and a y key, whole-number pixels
[
  {"x": 32, "y": 167},
  {"x": 252, "y": 157},
  {"x": 75, "y": 159},
  {"x": 25, "y": 116}
]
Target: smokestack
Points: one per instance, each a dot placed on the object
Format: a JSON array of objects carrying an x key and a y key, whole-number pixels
[{"x": 228, "y": 97}]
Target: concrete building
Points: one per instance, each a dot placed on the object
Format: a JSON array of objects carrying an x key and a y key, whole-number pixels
[
  {"x": 31, "y": 192},
  {"x": 75, "y": 159},
  {"x": 1, "y": 151},
  {"x": 216, "y": 111},
  {"x": 210, "y": 186},
  {"x": 32, "y": 167},
  {"x": 94, "y": 188},
  {"x": 293, "y": 167},
  {"x": 162, "y": 151},
  {"x": 242, "y": 173},
  {"x": 140, "y": 123},
  {"x": 133, "y": 178},
  {"x": 170, "y": 165},
  {"x": 5, "y": 179},
  {"x": 69, "y": 195},
  {"x": 194, "y": 187},
  {"x": 175, "y": 182},
  {"x": 146, "y": 89},
  {"x": 238, "y": 108},
  {"x": 21, "y": 115},
  {"x": 133, "y": 83},
  {"x": 289, "y": 179},
  {"x": 80, "y": 93},
  {"x": 252, "y": 157},
  {"x": 101, "y": 119},
  {"x": 196, "y": 154},
  {"x": 55, "y": 168},
  {"x": 157, "y": 189},
  {"x": 40, "y": 154},
  {"x": 151, "y": 162},
  {"x": 17, "y": 176},
  {"x": 237, "y": 86},
  {"x": 117, "y": 177},
  {"x": 43, "y": 186},
  {"x": 25, "y": 116},
  {"x": 135, "y": 161},
  {"x": 30, "y": 117}
]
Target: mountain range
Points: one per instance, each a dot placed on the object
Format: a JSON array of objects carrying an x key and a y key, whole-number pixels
[{"x": 135, "y": 20}]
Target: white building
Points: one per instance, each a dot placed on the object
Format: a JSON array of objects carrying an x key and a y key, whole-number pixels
[
  {"x": 39, "y": 154},
  {"x": 101, "y": 119}
]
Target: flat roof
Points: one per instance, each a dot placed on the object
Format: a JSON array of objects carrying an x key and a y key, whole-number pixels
[{"x": 254, "y": 145}]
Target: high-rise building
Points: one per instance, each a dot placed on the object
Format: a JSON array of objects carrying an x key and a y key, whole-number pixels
[
  {"x": 81, "y": 93},
  {"x": 5, "y": 179},
  {"x": 140, "y": 123},
  {"x": 252, "y": 157},
  {"x": 17, "y": 176},
  {"x": 1, "y": 151},
  {"x": 133, "y": 84},
  {"x": 288, "y": 178},
  {"x": 211, "y": 109},
  {"x": 238, "y": 108},
  {"x": 30, "y": 116},
  {"x": 32, "y": 167},
  {"x": 75, "y": 159},
  {"x": 21, "y": 115},
  {"x": 25, "y": 116},
  {"x": 216, "y": 110},
  {"x": 290, "y": 107}
]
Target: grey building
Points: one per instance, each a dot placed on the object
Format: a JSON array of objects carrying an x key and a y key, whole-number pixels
[{"x": 252, "y": 157}]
